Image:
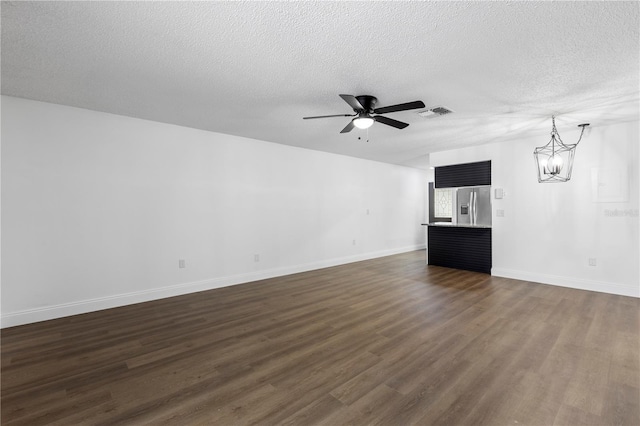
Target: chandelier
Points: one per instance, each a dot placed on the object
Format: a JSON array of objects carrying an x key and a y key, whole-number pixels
[{"x": 554, "y": 161}]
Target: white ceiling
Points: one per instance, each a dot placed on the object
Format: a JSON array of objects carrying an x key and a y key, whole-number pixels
[{"x": 255, "y": 69}]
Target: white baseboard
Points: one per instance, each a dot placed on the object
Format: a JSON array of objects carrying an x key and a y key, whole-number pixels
[
  {"x": 578, "y": 283},
  {"x": 83, "y": 306}
]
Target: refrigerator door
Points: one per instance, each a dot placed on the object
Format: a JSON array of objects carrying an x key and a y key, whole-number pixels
[
  {"x": 464, "y": 206},
  {"x": 483, "y": 206}
]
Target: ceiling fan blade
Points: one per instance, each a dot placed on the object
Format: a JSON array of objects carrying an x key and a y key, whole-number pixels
[
  {"x": 349, "y": 127},
  {"x": 327, "y": 116},
  {"x": 390, "y": 122},
  {"x": 399, "y": 107},
  {"x": 352, "y": 101}
]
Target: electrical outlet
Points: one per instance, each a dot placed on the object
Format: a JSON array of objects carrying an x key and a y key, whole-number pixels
[
  {"x": 256, "y": 258},
  {"x": 592, "y": 261},
  {"x": 500, "y": 213},
  {"x": 182, "y": 263}
]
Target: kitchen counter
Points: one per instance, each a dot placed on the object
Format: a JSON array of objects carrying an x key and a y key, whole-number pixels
[{"x": 456, "y": 225}]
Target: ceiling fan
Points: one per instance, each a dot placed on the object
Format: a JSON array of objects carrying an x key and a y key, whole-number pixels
[{"x": 364, "y": 108}]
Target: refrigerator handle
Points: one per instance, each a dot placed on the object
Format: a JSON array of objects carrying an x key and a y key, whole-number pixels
[
  {"x": 475, "y": 207},
  {"x": 471, "y": 207},
  {"x": 474, "y": 213}
]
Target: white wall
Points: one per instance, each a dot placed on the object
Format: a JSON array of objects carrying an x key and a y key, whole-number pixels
[
  {"x": 98, "y": 208},
  {"x": 549, "y": 231}
]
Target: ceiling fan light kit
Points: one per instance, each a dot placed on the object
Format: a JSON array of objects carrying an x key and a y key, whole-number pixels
[
  {"x": 363, "y": 122},
  {"x": 364, "y": 109}
]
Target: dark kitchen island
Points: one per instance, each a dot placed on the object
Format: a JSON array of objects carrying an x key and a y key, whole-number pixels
[{"x": 460, "y": 246}]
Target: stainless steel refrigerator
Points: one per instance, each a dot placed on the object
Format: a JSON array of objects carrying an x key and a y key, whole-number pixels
[{"x": 473, "y": 206}]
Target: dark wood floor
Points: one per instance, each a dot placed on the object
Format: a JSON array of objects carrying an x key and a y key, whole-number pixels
[{"x": 389, "y": 341}]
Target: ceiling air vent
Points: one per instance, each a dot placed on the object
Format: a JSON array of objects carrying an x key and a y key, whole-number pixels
[{"x": 434, "y": 112}]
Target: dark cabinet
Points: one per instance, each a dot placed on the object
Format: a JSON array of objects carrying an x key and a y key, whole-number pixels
[
  {"x": 460, "y": 247},
  {"x": 468, "y": 174}
]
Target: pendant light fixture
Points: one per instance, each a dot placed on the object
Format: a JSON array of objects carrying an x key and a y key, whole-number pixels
[{"x": 554, "y": 161}]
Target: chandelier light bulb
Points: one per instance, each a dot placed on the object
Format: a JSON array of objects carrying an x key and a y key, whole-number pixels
[{"x": 554, "y": 165}]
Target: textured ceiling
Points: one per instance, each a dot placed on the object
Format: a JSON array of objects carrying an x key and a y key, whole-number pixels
[{"x": 255, "y": 69}]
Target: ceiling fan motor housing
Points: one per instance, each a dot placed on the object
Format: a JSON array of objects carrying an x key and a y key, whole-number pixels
[{"x": 368, "y": 102}]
